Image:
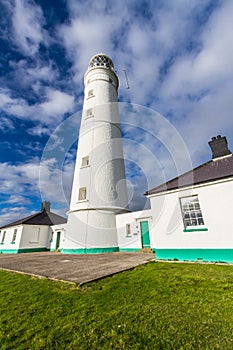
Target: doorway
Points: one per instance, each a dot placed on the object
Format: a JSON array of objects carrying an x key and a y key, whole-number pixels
[
  {"x": 58, "y": 240},
  {"x": 144, "y": 227}
]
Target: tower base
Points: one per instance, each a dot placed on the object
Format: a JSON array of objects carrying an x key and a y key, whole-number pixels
[{"x": 90, "y": 232}]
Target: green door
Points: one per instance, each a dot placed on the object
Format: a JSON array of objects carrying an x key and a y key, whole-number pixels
[
  {"x": 145, "y": 234},
  {"x": 58, "y": 239}
]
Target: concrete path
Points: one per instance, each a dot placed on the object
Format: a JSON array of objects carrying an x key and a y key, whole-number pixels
[{"x": 79, "y": 269}]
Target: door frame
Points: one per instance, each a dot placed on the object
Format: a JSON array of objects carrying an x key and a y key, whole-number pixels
[
  {"x": 58, "y": 239},
  {"x": 141, "y": 233}
]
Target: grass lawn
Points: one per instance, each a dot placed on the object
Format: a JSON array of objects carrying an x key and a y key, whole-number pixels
[{"x": 155, "y": 306}]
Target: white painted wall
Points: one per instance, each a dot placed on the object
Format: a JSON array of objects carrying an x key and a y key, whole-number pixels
[
  {"x": 134, "y": 240},
  {"x": 91, "y": 222},
  {"x": 216, "y": 203},
  {"x": 27, "y": 237},
  {"x": 8, "y": 244},
  {"x": 90, "y": 229},
  {"x": 35, "y": 236},
  {"x": 54, "y": 230},
  {"x": 100, "y": 139}
]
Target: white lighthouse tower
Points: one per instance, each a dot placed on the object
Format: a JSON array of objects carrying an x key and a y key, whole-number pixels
[{"x": 99, "y": 187}]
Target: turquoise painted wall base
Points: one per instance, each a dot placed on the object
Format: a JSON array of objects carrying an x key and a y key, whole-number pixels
[
  {"x": 210, "y": 255},
  {"x": 89, "y": 250},
  {"x": 8, "y": 251},
  {"x": 22, "y": 250}
]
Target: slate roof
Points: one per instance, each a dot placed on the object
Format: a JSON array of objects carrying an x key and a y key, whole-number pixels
[
  {"x": 213, "y": 170},
  {"x": 43, "y": 217}
]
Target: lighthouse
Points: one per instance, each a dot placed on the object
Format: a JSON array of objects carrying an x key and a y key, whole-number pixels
[{"x": 99, "y": 187}]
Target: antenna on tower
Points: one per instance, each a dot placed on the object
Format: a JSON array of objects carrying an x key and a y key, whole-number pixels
[{"x": 126, "y": 78}]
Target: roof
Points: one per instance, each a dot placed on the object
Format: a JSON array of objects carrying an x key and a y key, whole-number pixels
[
  {"x": 213, "y": 170},
  {"x": 44, "y": 217}
]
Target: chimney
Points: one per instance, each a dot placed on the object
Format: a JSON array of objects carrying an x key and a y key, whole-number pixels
[
  {"x": 219, "y": 147},
  {"x": 45, "y": 206}
]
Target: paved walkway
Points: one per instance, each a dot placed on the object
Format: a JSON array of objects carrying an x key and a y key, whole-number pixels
[{"x": 79, "y": 269}]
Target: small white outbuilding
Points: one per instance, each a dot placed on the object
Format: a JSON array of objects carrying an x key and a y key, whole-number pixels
[{"x": 30, "y": 234}]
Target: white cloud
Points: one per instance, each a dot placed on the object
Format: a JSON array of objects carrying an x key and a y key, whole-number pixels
[
  {"x": 11, "y": 214},
  {"x": 43, "y": 180},
  {"x": 213, "y": 64},
  {"x": 86, "y": 35},
  {"x": 5, "y": 99},
  {"x": 52, "y": 110},
  {"x": 16, "y": 199},
  {"x": 57, "y": 103},
  {"x": 27, "y": 22},
  {"x": 55, "y": 142},
  {"x": 16, "y": 179},
  {"x": 141, "y": 47},
  {"x": 27, "y": 73},
  {"x": 198, "y": 86},
  {"x": 215, "y": 60},
  {"x": 6, "y": 124},
  {"x": 43, "y": 72},
  {"x": 38, "y": 130}
]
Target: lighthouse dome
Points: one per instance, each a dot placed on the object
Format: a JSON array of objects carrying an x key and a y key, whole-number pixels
[{"x": 101, "y": 60}]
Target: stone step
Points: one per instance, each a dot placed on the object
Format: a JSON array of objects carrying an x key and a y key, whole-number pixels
[{"x": 146, "y": 250}]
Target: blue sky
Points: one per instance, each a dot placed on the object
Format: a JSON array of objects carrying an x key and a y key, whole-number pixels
[{"x": 178, "y": 55}]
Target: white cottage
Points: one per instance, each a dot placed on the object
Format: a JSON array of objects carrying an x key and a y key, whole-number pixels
[
  {"x": 31, "y": 234},
  {"x": 191, "y": 212}
]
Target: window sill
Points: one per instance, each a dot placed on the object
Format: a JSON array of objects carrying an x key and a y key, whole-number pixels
[
  {"x": 85, "y": 166},
  {"x": 89, "y": 97},
  {"x": 12, "y": 242},
  {"x": 195, "y": 229},
  {"x": 1, "y": 243},
  {"x": 82, "y": 201},
  {"x": 89, "y": 116}
]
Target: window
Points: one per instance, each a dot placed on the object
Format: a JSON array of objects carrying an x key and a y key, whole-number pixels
[
  {"x": 89, "y": 112},
  {"x": 128, "y": 230},
  {"x": 3, "y": 237},
  {"x": 82, "y": 193},
  {"x": 14, "y": 235},
  {"x": 191, "y": 211},
  {"x": 90, "y": 93},
  {"x": 85, "y": 161},
  {"x": 34, "y": 235}
]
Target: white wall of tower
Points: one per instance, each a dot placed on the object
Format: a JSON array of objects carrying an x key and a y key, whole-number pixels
[{"x": 91, "y": 220}]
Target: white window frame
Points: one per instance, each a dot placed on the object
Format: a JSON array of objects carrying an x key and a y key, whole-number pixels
[
  {"x": 90, "y": 93},
  {"x": 85, "y": 161},
  {"x": 89, "y": 113},
  {"x": 128, "y": 230},
  {"x": 191, "y": 212},
  {"x": 82, "y": 194},
  {"x": 37, "y": 238},
  {"x": 3, "y": 237},
  {"x": 14, "y": 235}
]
